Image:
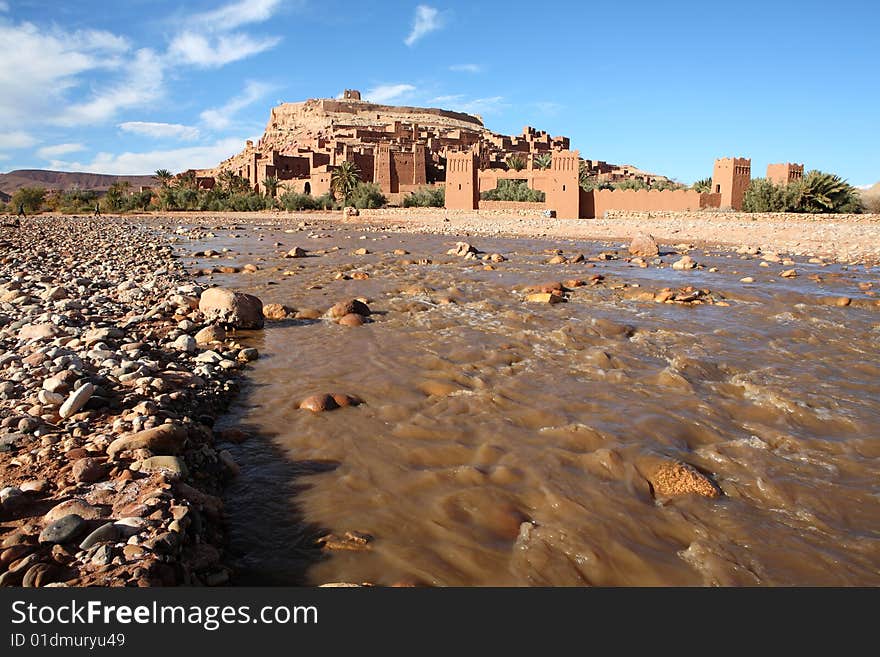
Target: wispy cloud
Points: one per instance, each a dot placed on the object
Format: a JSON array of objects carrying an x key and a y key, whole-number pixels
[
  {"x": 466, "y": 68},
  {"x": 459, "y": 103},
  {"x": 387, "y": 92},
  {"x": 16, "y": 139},
  {"x": 160, "y": 130},
  {"x": 41, "y": 66},
  {"x": 176, "y": 159},
  {"x": 217, "y": 50},
  {"x": 220, "y": 118},
  {"x": 237, "y": 14},
  {"x": 212, "y": 41},
  {"x": 56, "y": 151},
  {"x": 142, "y": 85},
  {"x": 427, "y": 20},
  {"x": 3, "y": 6}
]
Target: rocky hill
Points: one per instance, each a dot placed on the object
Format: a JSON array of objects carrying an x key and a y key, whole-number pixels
[{"x": 64, "y": 180}]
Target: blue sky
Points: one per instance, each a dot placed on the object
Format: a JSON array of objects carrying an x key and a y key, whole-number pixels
[{"x": 667, "y": 86}]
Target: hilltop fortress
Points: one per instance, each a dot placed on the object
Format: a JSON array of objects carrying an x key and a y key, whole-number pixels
[{"x": 404, "y": 148}]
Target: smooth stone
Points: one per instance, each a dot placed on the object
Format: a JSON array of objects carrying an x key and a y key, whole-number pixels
[
  {"x": 104, "y": 533},
  {"x": 164, "y": 439},
  {"x": 63, "y": 530},
  {"x": 76, "y": 400}
]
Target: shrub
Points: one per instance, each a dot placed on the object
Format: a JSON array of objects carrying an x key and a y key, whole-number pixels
[
  {"x": 366, "y": 196},
  {"x": 29, "y": 197},
  {"x": 294, "y": 201},
  {"x": 426, "y": 197},
  {"x": 763, "y": 196},
  {"x": 515, "y": 162},
  {"x": 513, "y": 190},
  {"x": 704, "y": 186}
]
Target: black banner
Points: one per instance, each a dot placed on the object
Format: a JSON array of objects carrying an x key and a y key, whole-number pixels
[{"x": 355, "y": 620}]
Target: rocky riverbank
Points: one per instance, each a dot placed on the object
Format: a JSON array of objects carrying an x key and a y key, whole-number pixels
[{"x": 111, "y": 376}]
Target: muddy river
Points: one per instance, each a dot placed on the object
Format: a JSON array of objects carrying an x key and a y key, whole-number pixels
[{"x": 505, "y": 442}]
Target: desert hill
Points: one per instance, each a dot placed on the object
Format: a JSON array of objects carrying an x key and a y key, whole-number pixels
[{"x": 64, "y": 180}]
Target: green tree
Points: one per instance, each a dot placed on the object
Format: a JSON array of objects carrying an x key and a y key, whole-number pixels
[
  {"x": 164, "y": 177},
  {"x": 515, "y": 162},
  {"x": 631, "y": 183},
  {"x": 543, "y": 161},
  {"x": 763, "y": 196},
  {"x": 343, "y": 180},
  {"x": 704, "y": 186},
  {"x": 31, "y": 198},
  {"x": 426, "y": 197},
  {"x": 513, "y": 190},
  {"x": 828, "y": 192}
]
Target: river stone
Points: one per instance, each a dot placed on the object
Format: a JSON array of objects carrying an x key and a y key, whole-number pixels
[
  {"x": 545, "y": 297},
  {"x": 171, "y": 463},
  {"x": 296, "y": 252},
  {"x": 353, "y": 306},
  {"x": 38, "y": 331},
  {"x": 685, "y": 263},
  {"x": 88, "y": 470},
  {"x": 319, "y": 403},
  {"x": 671, "y": 479},
  {"x": 185, "y": 343},
  {"x": 106, "y": 532},
  {"x": 351, "y": 319},
  {"x": 63, "y": 530},
  {"x": 76, "y": 401},
  {"x": 276, "y": 311},
  {"x": 164, "y": 439},
  {"x": 76, "y": 506},
  {"x": 212, "y": 333},
  {"x": 644, "y": 246},
  {"x": 239, "y": 310}
]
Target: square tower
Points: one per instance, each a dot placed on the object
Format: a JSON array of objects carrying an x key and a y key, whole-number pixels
[
  {"x": 783, "y": 174},
  {"x": 730, "y": 178}
]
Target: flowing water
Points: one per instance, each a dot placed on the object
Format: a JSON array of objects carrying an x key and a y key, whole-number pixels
[{"x": 509, "y": 443}]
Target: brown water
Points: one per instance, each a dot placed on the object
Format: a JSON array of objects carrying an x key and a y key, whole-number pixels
[{"x": 506, "y": 443}]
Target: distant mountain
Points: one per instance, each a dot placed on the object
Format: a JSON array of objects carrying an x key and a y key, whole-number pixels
[{"x": 64, "y": 180}]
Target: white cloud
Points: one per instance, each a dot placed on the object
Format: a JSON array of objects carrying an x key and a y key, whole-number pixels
[
  {"x": 458, "y": 103},
  {"x": 388, "y": 92},
  {"x": 176, "y": 159},
  {"x": 4, "y": 156},
  {"x": 427, "y": 20},
  {"x": 3, "y": 6},
  {"x": 481, "y": 106},
  {"x": 160, "y": 130},
  {"x": 16, "y": 139},
  {"x": 236, "y": 14},
  {"x": 38, "y": 67},
  {"x": 466, "y": 68},
  {"x": 220, "y": 118},
  {"x": 142, "y": 85},
  {"x": 216, "y": 50},
  {"x": 53, "y": 152}
]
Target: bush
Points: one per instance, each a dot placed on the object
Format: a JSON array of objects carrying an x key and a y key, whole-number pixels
[
  {"x": 764, "y": 196},
  {"x": 366, "y": 196},
  {"x": 426, "y": 197},
  {"x": 513, "y": 190},
  {"x": 29, "y": 197},
  {"x": 294, "y": 201}
]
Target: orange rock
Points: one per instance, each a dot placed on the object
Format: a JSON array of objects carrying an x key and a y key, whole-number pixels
[{"x": 674, "y": 478}]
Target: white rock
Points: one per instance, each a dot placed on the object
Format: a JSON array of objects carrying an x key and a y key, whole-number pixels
[{"x": 77, "y": 400}]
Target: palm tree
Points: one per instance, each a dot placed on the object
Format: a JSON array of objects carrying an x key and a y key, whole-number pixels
[
  {"x": 515, "y": 162},
  {"x": 543, "y": 161},
  {"x": 704, "y": 186},
  {"x": 271, "y": 186},
  {"x": 827, "y": 192},
  {"x": 344, "y": 179},
  {"x": 164, "y": 176}
]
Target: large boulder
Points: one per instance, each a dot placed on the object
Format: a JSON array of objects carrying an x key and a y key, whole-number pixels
[
  {"x": 644, "y": 246},
  {"x": 235, "y": 309}
]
